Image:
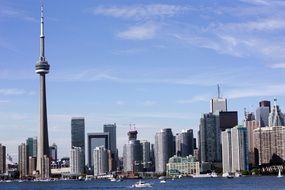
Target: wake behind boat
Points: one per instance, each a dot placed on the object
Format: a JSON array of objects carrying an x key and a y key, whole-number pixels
[{"x": 141, "y": 184}]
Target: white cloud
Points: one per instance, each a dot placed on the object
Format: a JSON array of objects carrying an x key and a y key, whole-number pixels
[
  {"x": 200, "y": 98},
  {"x": 278, "y": 66},
  {"x": 8, "y": 12},
  {"x": 256, "y": 91},
  {"x": 120, "y": 103},
  {"x": 141, "y": 11},
  {"x": 147, "y": 103},
  {"x": 15, "y": 91},
  {"x": 142, "y": 32}
]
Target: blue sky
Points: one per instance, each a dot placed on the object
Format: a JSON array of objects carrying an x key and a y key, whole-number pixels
[{"x": 153, "y": 63}]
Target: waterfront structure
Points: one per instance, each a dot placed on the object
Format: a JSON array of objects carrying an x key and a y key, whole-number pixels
[
  {"x": 78, "y": 135},
  {"x": 239, "y": 148},
  {"x": 23, "y": 160},
  {"x": 42, "y": 68},
  {"x": 32, "y": 144},
  {"x": 185, "y": 166},
  {"x": 100, "y": 157},
  {"x": 2, "y": 159},
  {"x": 184, "y": 143},
  {"x": 76, "y": 159},
  {"x": 269, "y": 143},
  {"x": 145, "y": 148},
  {"x": 276, "y": 117},
  {"x": 111, "y": 129},
  {"x": 164, "y": 149},
  {"x": 53, "y": 152},
  {"x": 262, "y": 113},
  {"x": 96, "y": 140}
]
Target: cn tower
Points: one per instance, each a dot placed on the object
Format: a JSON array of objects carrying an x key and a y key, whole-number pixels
[{"x": 42, "y": 68}]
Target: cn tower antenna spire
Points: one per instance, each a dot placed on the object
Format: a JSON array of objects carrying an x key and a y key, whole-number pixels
[{"x": 42, "y": 68}]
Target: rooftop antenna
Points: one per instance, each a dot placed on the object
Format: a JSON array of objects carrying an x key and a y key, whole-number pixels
[{"x": 219, "y": 91}]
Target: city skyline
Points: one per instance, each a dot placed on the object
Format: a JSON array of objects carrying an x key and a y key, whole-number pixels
[{"x": 153, "y": 66}]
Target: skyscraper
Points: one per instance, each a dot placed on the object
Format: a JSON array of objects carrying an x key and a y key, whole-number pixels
[
  {"x": 218, "y": 104},
  {"x": 145, "y": 148},
  {"x": 32, "y": 147},
  {"x": 78, "y": 136},
  {"x": 239, "y": 148},
  {"x": 164, "y": 149},
  {"x": 100, "y": 157},
  {"x": 227, "y": 151},
  {"x": 251, "y": 124},
  {"x": 184, "y": 143},
  {"x": 76, "y": 158},
  {"x": 210, "y": 150},
  {"x": 269, "y": 143},
  {"x": 111, "y": 129},
  {"x": 262, "y": 113},
  {"x": 53, "y": 152},
  {"x": 42, "y": 68},
  {"x": 95, "y": 140},
  {"x": 235, "y": 150},
  {"x": 132, "y": 153},
  {"x": 276, "y": 117},
  {"x": 2, "y": 159},
  {"x": 23, "y": 160}
]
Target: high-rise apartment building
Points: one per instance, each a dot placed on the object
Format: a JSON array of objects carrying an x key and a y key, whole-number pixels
[
  {"x": 251, "y": 124},
  {"x": 78, "y": 136},
  {"x": 184, "y": 143},
  {"x": 227, "y": 151},
  {"x": 76, "y": 159},
  {"x": 100, "y": 157},
  {"x": 269, "y": 143},
  {"x": 132, "y": 154},
  {"x": 2, "y": 159},
  {"x": 96, "y": 140},
  {"x": 146, "y": 157},
  {"x": 234, "y": 149},
  {"x": 164, "y": 149},
  {"x": 23, "y": 160},
  {"x": 239, "y": 148}
]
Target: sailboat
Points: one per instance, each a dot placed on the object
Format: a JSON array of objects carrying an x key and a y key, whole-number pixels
[{"x": 279, "y": 173}]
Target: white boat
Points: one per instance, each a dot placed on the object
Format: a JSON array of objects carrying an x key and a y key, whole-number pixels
[
  {"x": 162, "y": 181},
  {"x": 161, "y": 177},
  {"x": 279, "y": 173},
  {"x": 214, "y": 174},
  {"x": 141, "y": 184},
  {"x": 113, "y": 179},
  {"x": 228, "y": 175},
  {"x": 202, "y": 176},
  {"x": 238, "y": 174}
]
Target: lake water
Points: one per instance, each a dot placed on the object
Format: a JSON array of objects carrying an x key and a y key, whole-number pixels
[{"x": 244, "y": 183}]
